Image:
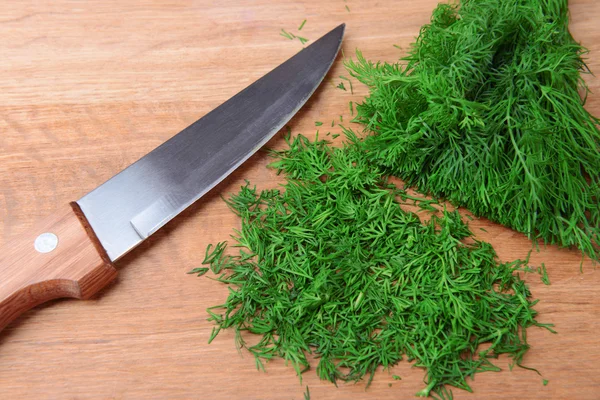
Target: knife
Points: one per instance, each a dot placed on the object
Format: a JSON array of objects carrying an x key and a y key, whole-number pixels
[{"x": 71, "y": 253}]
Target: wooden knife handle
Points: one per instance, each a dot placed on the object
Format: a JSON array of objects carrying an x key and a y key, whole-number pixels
[{"x": 65, "y": 261}]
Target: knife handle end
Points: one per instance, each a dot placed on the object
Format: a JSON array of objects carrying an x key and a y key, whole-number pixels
[{"x": 59, "y": 257}]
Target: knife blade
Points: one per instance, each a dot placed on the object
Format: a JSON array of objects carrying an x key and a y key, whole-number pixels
[{"x": 71, "y": 253}]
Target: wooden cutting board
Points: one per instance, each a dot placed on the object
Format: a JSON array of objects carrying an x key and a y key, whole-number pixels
[{"x": 86, "y": 88}]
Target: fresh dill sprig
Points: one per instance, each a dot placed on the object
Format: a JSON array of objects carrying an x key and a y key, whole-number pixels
[
  {"x": 486, "y": 111},
  {"x": 331, "y": 265},
  {"x": 341, "y": 86}
]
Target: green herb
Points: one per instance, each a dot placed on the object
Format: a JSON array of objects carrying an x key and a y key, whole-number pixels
[
  {"x": 351, "y": 106},
  {"x": 287, "y": 35},
  {"x": 291, "y": 36},
  {"x": 545, "y": 382},
  {"x": 332, "y": 123},
  {"x": 544, "y": 273},
  {"x": 486, "y": 111},
  {"x": 396, "y": 377},
  {"x": 483, "y": 229},
  {"x": 199, "y": 271},
  {"x": 341, "y": 86},
  {"x": 335, "y": 136},
  {"x": 318, "y": 123},
  {"x": 332, "y": 265},
  {"x": 349, "y": 82},
  {"x": 347, "y": 8},
  {"x": 300, "y": 28},
  {"x": 307, "y": 394}
]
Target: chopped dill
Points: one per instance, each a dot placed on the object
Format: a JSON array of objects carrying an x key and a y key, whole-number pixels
[
  {"x": 341, "y": 86},
  {"x": 307, "y": 394},
  {"x": 484, "y": 230},
  {"x": 351, "y": 106},
  {"x": 545, "y": 382},
  {"x": 486, "y": 112},
  {"x": 199, "y": 271},
  {"x": 335, "y": 136},
  {"x": 300, "y": 28},
  {"x": 349, "y": 82},
  {"x": 318, "y": 123},
  {"x": 333, "y": 123},
  {"x": 291, "y": 36},
  {"x": 287, "y": 35},
  {"x": 544, "y": 274},
  {"x": 329, "y": 264},
  {"x": 347, "y": 8},
  {"x": 396, "y": 377}
]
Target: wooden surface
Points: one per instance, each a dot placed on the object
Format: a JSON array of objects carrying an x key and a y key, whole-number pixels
[{"x": 86, "y": 88}]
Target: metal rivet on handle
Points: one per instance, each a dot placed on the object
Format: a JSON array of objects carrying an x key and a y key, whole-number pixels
[{"x": 46, "y": 242}]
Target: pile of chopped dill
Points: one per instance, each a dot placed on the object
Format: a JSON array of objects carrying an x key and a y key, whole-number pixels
[
  {"x": 331, "y": 265},
  {"x": 486, "y": 111}
]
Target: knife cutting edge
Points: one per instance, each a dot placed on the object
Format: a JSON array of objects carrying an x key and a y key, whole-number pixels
[{"x": 71, "y": 253}]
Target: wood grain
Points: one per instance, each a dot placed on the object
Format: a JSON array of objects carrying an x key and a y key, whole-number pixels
[
  {"x": 86, "y": 88},
  {"x": 78, "y": 267}
]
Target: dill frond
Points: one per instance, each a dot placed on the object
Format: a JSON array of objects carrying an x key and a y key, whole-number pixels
[{"x": 485, "y": 111}]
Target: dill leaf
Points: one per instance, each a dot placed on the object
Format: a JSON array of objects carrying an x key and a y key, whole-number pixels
[
  {"x": 544, "y": 273},
  {"x": 199, "y": 271},
  {"x": 287, "y": 35},
  {"x": 349, "y": 82}
]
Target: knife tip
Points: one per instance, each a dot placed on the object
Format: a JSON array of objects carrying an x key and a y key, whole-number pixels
[{"x": 340, "y": 29}]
